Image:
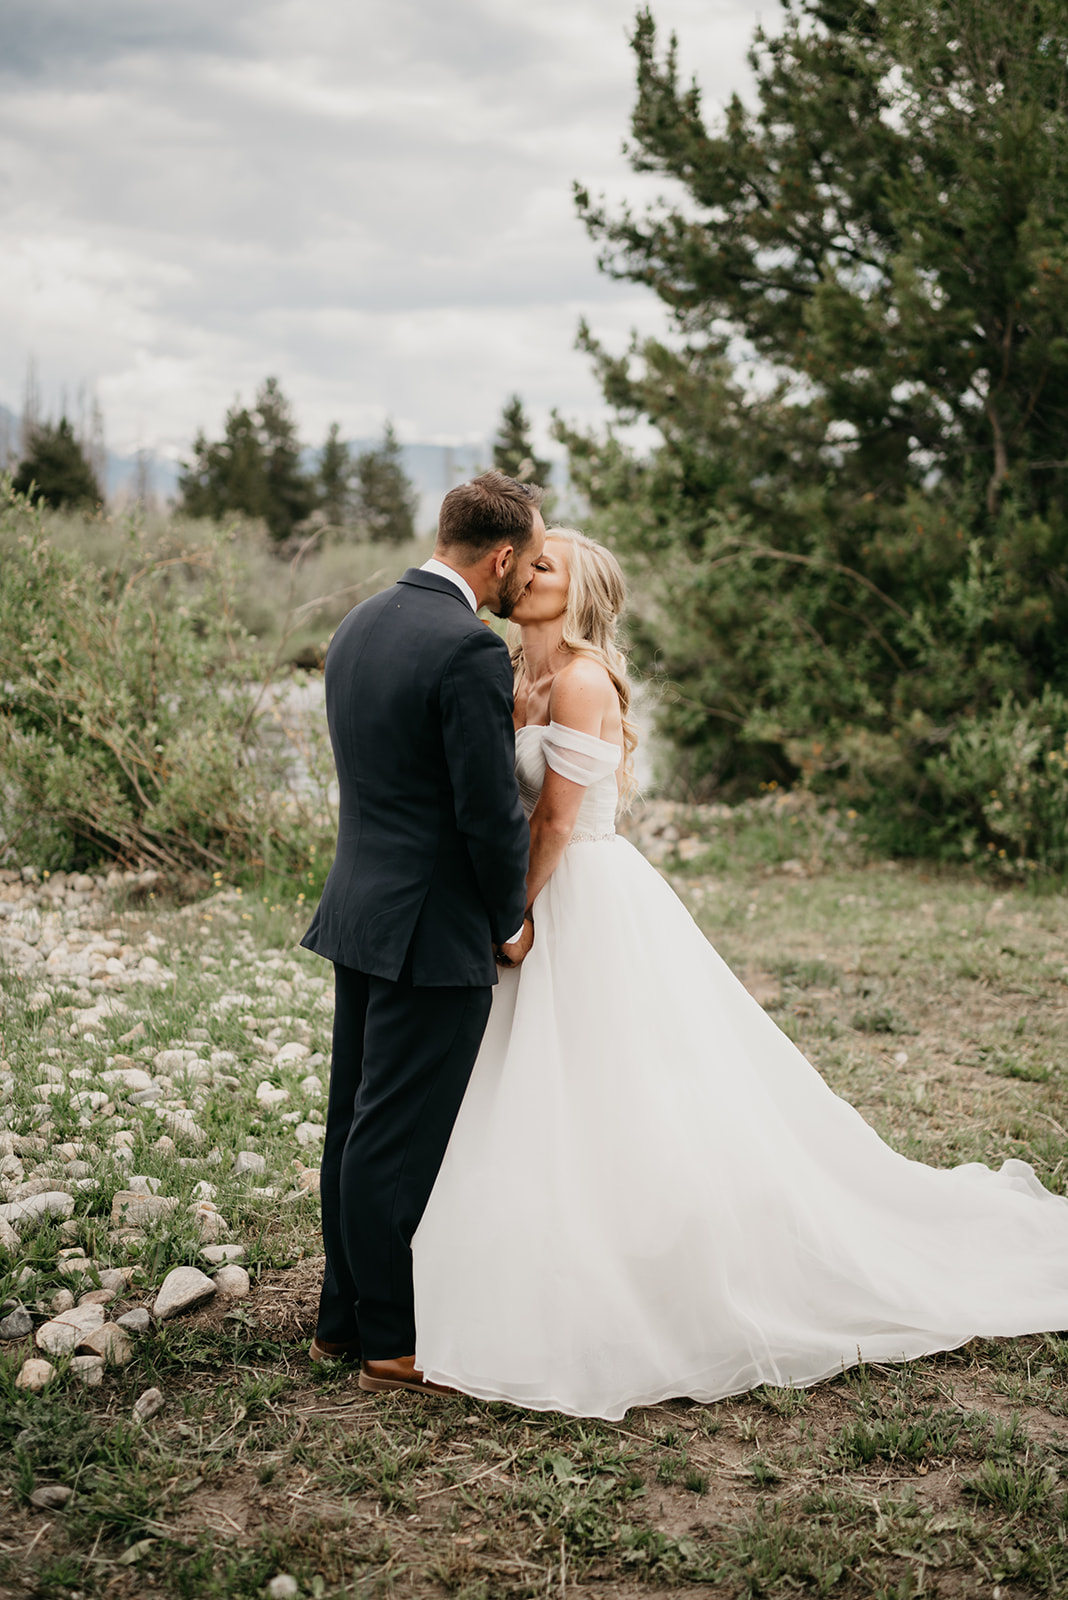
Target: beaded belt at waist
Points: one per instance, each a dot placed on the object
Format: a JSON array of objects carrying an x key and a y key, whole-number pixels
[{"x": 592, "y": 838}]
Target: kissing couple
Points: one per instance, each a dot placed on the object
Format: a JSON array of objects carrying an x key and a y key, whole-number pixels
[{"x": 569, "y": 1161}]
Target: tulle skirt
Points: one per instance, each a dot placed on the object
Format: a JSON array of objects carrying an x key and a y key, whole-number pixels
[{"x": 649, "y": 1192}]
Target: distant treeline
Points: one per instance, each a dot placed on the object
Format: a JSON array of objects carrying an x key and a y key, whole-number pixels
[{"x": 256, "y": 470}]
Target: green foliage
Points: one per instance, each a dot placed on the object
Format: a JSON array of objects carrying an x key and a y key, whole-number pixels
[
  {"x": 1017, "y": 1489},
  {"x": 288, "y": 607},
  {"x": 129, "y": 718},
  {"x": 897, "y": 1438},
  {"x": 335, "y": 478},
  {"x": 850, "y": 552},
  {"x": 513, "y": 451},
  {"x": 56, "y": 470},
  {"x": 255, "y": 467},
  {"x": 386, "y": 502},
  {"x": 1007, "y": 774}
]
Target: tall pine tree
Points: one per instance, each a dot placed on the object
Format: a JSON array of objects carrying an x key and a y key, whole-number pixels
[
  {"x": 513, "y": 450},
  {"x": 851, "y": 547},
  {"x": 254, "y": 468},
  {"x": 335, "y": 478},
  {"x": 56, "y": 469},
  {"x": 386, "y": 502}
]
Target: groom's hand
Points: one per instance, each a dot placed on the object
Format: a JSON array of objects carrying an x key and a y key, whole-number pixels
[{"x": 510, "y": 955}]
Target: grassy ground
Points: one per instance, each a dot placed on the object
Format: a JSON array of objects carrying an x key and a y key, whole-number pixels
[{"x": 935, "y": 1003}]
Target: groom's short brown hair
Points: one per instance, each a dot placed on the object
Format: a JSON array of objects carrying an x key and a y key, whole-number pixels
[{"x": 489, "y": 511}]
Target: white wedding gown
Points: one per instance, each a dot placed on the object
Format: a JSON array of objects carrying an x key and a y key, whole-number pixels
[{"x": 650, "y": 1192}]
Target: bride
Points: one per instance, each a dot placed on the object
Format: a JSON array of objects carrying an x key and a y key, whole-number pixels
[{"x": 649, "y": 1192}]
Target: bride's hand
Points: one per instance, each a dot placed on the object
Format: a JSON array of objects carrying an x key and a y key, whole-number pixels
[{"x": 510, "y": 955}]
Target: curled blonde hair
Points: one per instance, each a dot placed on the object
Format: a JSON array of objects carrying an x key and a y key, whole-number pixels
[{"x": 596, "y": 597}]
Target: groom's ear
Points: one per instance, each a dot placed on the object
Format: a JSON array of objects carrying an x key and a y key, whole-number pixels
[{"x": 502, "y": 557}]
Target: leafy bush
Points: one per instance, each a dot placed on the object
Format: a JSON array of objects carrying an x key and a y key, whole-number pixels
[
  {"x": 132, "y": 712},
  {"x": 1005, "y": 776},
  {"x": 289, "y": 607}
]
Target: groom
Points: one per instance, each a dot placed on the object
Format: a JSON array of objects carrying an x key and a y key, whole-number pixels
[{"x": 427, "y": 886}]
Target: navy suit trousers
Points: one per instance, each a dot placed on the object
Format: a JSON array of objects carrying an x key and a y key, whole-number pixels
[{"x": 402, "y": 1057}]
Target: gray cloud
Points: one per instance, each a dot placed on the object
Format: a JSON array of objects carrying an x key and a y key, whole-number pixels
[
  {"x": 371, "y": 200},
  {"x": 48, "y": 38}
]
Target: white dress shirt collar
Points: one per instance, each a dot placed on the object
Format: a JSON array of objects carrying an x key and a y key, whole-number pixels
[{"x": 462, "y": 584}]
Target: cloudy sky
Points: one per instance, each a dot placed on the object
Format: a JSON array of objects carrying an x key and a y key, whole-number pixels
[{"x": 370, "y": 198}]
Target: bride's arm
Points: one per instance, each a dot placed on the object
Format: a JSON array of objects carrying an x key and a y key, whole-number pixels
[
  {"x": 551, "y": 826},
  {"x": 580, "y": 696}
]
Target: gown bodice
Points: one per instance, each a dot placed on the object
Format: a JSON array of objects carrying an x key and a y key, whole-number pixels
[{"x": 580, "y": 757}]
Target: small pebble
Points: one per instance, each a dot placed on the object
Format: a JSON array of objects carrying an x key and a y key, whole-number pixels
[
  {"x": 111, "y": 1343},
  {"x": 17, "y": 1324},
  {"x": 90, "y": 1369},
  {"x": 248, "y": 1161},
  {"x": 220, "y": 1254},
  {"x": 136, "y": 1321},
  {"x": 51, "y": 1496},
  {"x": 183, "y": 1289},
  {"x": 34, "y": 1374},
  {"x": 283, "y": 1587},
  {"x": 146, "y": 1405},
  {"x": 97, "y": 1297},
  {"x": 233, "y": 1281}
]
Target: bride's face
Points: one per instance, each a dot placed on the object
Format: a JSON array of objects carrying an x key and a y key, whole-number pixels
[{"x": 545, "y": 596}]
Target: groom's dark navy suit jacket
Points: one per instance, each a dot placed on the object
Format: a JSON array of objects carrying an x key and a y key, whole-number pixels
[{"x": 432, "y": 842}]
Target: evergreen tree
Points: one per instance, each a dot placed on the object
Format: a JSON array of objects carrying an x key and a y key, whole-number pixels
[
  {"x": 848, "y": 564},
  {"x": 226, "y": 475},
  {"x": 386, "y": 501},
  {"x": 513, "y": 452},
  {"x": 290, "y": 491},
  {"x": 254, "y": 468},
  {"x": 335, "y": 478},
  {"x": 55, "y": 469}
]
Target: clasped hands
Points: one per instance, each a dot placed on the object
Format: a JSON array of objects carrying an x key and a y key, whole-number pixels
[{"x": 510, "y": 955}]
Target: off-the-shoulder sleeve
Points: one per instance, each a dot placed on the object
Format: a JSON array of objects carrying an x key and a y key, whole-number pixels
[{"x": 579, "y": 756}]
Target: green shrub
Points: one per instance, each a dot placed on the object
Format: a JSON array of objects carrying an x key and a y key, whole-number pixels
[
  {"x": 1004, "y": 777},
  {"x": 132, "y": 712}
]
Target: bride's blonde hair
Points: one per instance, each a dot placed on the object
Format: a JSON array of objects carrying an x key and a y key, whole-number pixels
[{"x": 596, "y": 597}]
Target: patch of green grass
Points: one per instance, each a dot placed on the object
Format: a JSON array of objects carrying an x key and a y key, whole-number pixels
[
  {"x": 880, "y": 1019},
  {"x": 816, "y": 973},
  {"x": 787, "y": 1402},
  {"x": 1016, "y": 1488},
  {"x": 1022, "y": 1067}
]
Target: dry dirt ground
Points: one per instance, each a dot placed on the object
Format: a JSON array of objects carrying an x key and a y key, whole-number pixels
[{"x": 936, "y": 1003}]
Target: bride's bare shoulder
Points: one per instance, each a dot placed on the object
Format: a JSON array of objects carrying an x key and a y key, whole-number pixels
[{"x": 581, "y": 694}]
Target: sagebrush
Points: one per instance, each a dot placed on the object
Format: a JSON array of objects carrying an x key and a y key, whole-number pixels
[{"x": 139, "y": 719}]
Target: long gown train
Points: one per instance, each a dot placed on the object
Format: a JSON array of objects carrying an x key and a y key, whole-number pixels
[{"x": 649, "y": 1191}]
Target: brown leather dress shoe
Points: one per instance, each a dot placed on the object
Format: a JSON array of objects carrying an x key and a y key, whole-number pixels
[
  {"x": 322, "y": 1351},
  {"x": 400, "y": 1373}
]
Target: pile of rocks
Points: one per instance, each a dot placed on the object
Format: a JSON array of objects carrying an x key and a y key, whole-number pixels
[
  {"x": 668, "y": 832},
  {"x": 41, "y": 918},
  {"x": 81, "y": 1330},
  {"x": 95, "y": 1075},
  {"x": 667, "y": 829}
]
